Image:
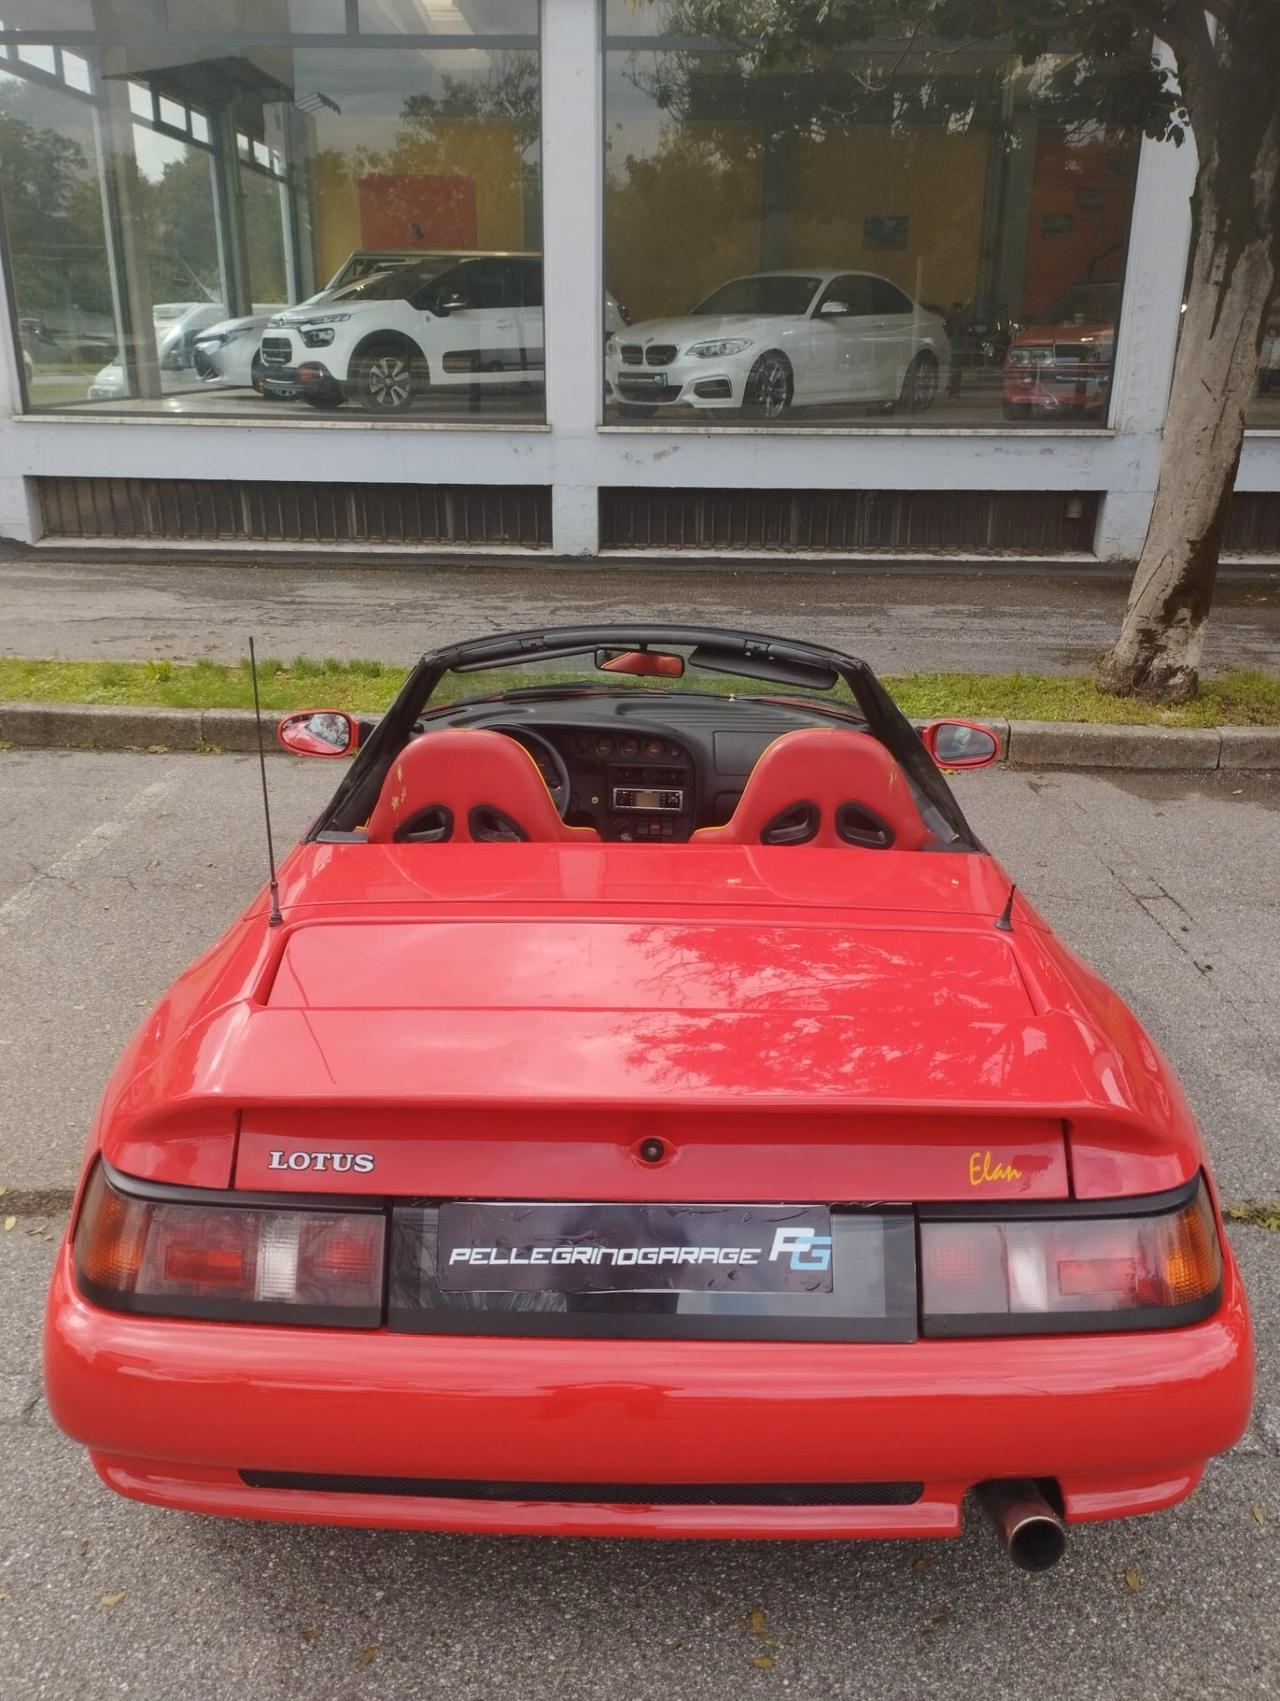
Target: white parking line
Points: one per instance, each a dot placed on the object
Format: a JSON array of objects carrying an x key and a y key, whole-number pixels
[{"x": 20, "y": 904}]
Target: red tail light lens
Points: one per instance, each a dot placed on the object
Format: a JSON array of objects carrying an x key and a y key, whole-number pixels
[
  {"x": 1029, "y": 1276},
  {"x": 238, "y": 1263}
]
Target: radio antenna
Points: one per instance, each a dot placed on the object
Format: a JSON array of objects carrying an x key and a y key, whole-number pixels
[
  {"x": 1004, "y": 921},
  {"x": 275, "y": 918}
]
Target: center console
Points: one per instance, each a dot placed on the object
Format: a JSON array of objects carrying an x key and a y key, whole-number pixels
[{"x": 636, "y": 786}]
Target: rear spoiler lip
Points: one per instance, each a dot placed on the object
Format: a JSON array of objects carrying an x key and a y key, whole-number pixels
[{"x": 1027, "y": 1210}]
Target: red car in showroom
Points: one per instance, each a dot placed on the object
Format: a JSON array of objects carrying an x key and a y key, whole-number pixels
[
  {"x": 1061, "y": 364},
  {"x": 645, "y": 1108}
]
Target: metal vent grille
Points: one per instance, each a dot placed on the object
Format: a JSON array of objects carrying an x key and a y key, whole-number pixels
[
  {"x": 816, "y": 521},
  {"x": 602, "y": 1493},
  {"x": 215, "y": 511},
  {"x": 1253, "y": 526}
]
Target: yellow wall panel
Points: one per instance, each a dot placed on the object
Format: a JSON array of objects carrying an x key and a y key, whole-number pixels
[
  {"x": 683, "y": 219},
  {"x": 936, "y": 179}
]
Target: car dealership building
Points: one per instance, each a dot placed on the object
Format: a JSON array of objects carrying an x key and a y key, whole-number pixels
[{"x": 579, "y": 278}]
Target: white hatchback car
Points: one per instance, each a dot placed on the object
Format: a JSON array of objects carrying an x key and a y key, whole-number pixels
[
  {"x": 434, "y": 324},
  {"x": 775, "y": 340}
]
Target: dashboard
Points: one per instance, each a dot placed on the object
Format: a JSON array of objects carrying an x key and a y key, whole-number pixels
[{"x": 637, "y": 766}]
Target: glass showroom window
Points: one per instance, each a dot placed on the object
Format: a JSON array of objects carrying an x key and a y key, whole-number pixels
[
  {"x": 897, "y": 232},
  {"x": 283, "y": 206},
  {"x": 1264, "y": 413}
]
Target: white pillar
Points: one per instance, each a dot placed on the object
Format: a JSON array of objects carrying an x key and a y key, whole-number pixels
[
  {"x": 573, "y": 264},
  {"x": 19, "y": 517},
  {"x": 1147, "y": 335}
]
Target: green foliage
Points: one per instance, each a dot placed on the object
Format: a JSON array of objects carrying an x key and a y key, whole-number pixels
[{"x": 1103, "y": 48}]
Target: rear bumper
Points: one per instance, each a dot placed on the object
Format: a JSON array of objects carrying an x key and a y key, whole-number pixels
[{"x": 173, "y": 1411}]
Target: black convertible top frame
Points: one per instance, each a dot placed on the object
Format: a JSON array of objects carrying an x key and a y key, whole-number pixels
[{"x": 883, "y": 717}]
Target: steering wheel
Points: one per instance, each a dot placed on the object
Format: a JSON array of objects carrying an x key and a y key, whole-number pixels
[{"x": 551, "y": 764}]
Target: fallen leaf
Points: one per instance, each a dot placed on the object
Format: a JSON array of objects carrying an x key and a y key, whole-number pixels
[
  {"x": 1259, "y": 1516},
  {"x": 369, "y": 1656},
  {"x": 755, "y": 1618},
  {"x": 672, "y": 1646},
  {"x": 309, "y": 1633},
  {"x": 1133, "y": 1580},
  {"x": 157, "y": 749},
  {"x": 10, "y": 1223},
  {"x": 109, "y": 1601},
  {"x": 920, "y": 1566},
  {"x": 3, "y": 1190},
  {"x": 764, "y": 1661}
]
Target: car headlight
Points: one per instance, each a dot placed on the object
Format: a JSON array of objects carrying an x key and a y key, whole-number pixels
[
  {"x": 718, "y": 349},
  {"x": 318, "y": 336},
  {"x": 323, "y": 319},
  {"x": 610, "y": 346},
  {"x": 1033, "y": 354}
]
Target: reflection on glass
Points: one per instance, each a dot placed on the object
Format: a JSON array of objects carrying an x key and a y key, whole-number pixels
[
  {"x": 1265, "y": 410},
  {"x": 184, "y": 225},
  {"x": 449, "y": 17},
  {"x": 913, "y": 231}
]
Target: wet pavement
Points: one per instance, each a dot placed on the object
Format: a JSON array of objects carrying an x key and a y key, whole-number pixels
[
  {"x": 988, "y": 619},
  {"x": 115, "y": 870}
]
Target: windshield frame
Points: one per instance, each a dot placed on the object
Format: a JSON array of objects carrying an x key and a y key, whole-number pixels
[
  {"x": 355, "y": 797},
  {"x": 1053, "y": 317}
]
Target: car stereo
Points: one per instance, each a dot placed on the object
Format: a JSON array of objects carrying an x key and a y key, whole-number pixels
[{"x": 633, "y": 797}]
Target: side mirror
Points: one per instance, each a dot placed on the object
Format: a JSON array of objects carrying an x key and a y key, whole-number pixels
[
  {"x": 834, "y": 310},
  {"x": 960, "y": 744},
  {"x": 319, "y": 732},
  {"x": 645, "y": 664}
]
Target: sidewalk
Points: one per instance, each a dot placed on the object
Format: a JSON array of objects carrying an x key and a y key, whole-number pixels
[{"x": 993, "y": 619}]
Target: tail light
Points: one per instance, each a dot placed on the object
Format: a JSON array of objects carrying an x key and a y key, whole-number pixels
[
  {"x": 237, "y": 1263},
  {"x": 1029, "y": 1276}
]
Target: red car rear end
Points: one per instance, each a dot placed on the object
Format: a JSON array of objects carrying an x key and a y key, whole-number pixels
[{"x": 723, "y": 1187}]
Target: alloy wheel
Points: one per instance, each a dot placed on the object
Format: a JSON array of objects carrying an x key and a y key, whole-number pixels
[
  {"x": 922, "y": 384},
  {"x": 772, "y": 393},
  {"x": 389, "y": 381}
]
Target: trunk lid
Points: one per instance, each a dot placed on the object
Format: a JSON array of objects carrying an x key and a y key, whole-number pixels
[{"x": 527, "y": 1057}]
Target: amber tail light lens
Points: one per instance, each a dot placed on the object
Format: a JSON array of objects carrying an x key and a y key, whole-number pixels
[
  {"x": 237, "y": 1263},
  {"x": 1039, "y": 1276}
]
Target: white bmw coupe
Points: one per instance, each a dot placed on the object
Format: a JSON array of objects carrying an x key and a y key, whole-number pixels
[{"x": 771, "y": 341}]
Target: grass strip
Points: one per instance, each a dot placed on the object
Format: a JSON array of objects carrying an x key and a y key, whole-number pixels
[{"x": 1243, "y": 697}]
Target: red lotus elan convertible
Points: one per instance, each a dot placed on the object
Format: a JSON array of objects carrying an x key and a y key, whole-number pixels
[{"x": 647, "y": 1110}]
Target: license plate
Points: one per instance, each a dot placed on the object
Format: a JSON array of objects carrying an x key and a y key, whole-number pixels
[{"x": 536, "y": 1248}]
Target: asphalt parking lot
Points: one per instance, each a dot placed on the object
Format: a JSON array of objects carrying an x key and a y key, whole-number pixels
[{"x": 116, "y": 869}]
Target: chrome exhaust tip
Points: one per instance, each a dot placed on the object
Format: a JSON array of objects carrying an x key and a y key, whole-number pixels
[{"x": 1032, "y": 1533}]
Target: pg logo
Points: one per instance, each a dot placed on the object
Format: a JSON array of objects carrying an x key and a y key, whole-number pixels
[{"x": 808, "y": 1249}]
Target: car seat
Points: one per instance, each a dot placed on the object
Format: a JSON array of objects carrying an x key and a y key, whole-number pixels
[
  {"x": 825, "y": 786},
  {"x": 468, "y": 784}
]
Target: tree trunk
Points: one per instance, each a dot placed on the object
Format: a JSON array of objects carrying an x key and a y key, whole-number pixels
[{"x": 1231, "y": 284}]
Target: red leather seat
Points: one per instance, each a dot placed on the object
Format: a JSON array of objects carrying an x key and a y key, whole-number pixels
[
  {"x": 463, "y": 783},
  {"x": 825, "y": 786}
]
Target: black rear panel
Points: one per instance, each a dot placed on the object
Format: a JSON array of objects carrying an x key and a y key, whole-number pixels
[{"x": 869, "y": 1294}]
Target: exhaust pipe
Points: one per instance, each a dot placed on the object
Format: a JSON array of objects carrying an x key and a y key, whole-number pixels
[{"x": 1033, "y": 1535}]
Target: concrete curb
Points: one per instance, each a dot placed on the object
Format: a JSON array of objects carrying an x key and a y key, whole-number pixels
[{"x": 1025, "y": 744}]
